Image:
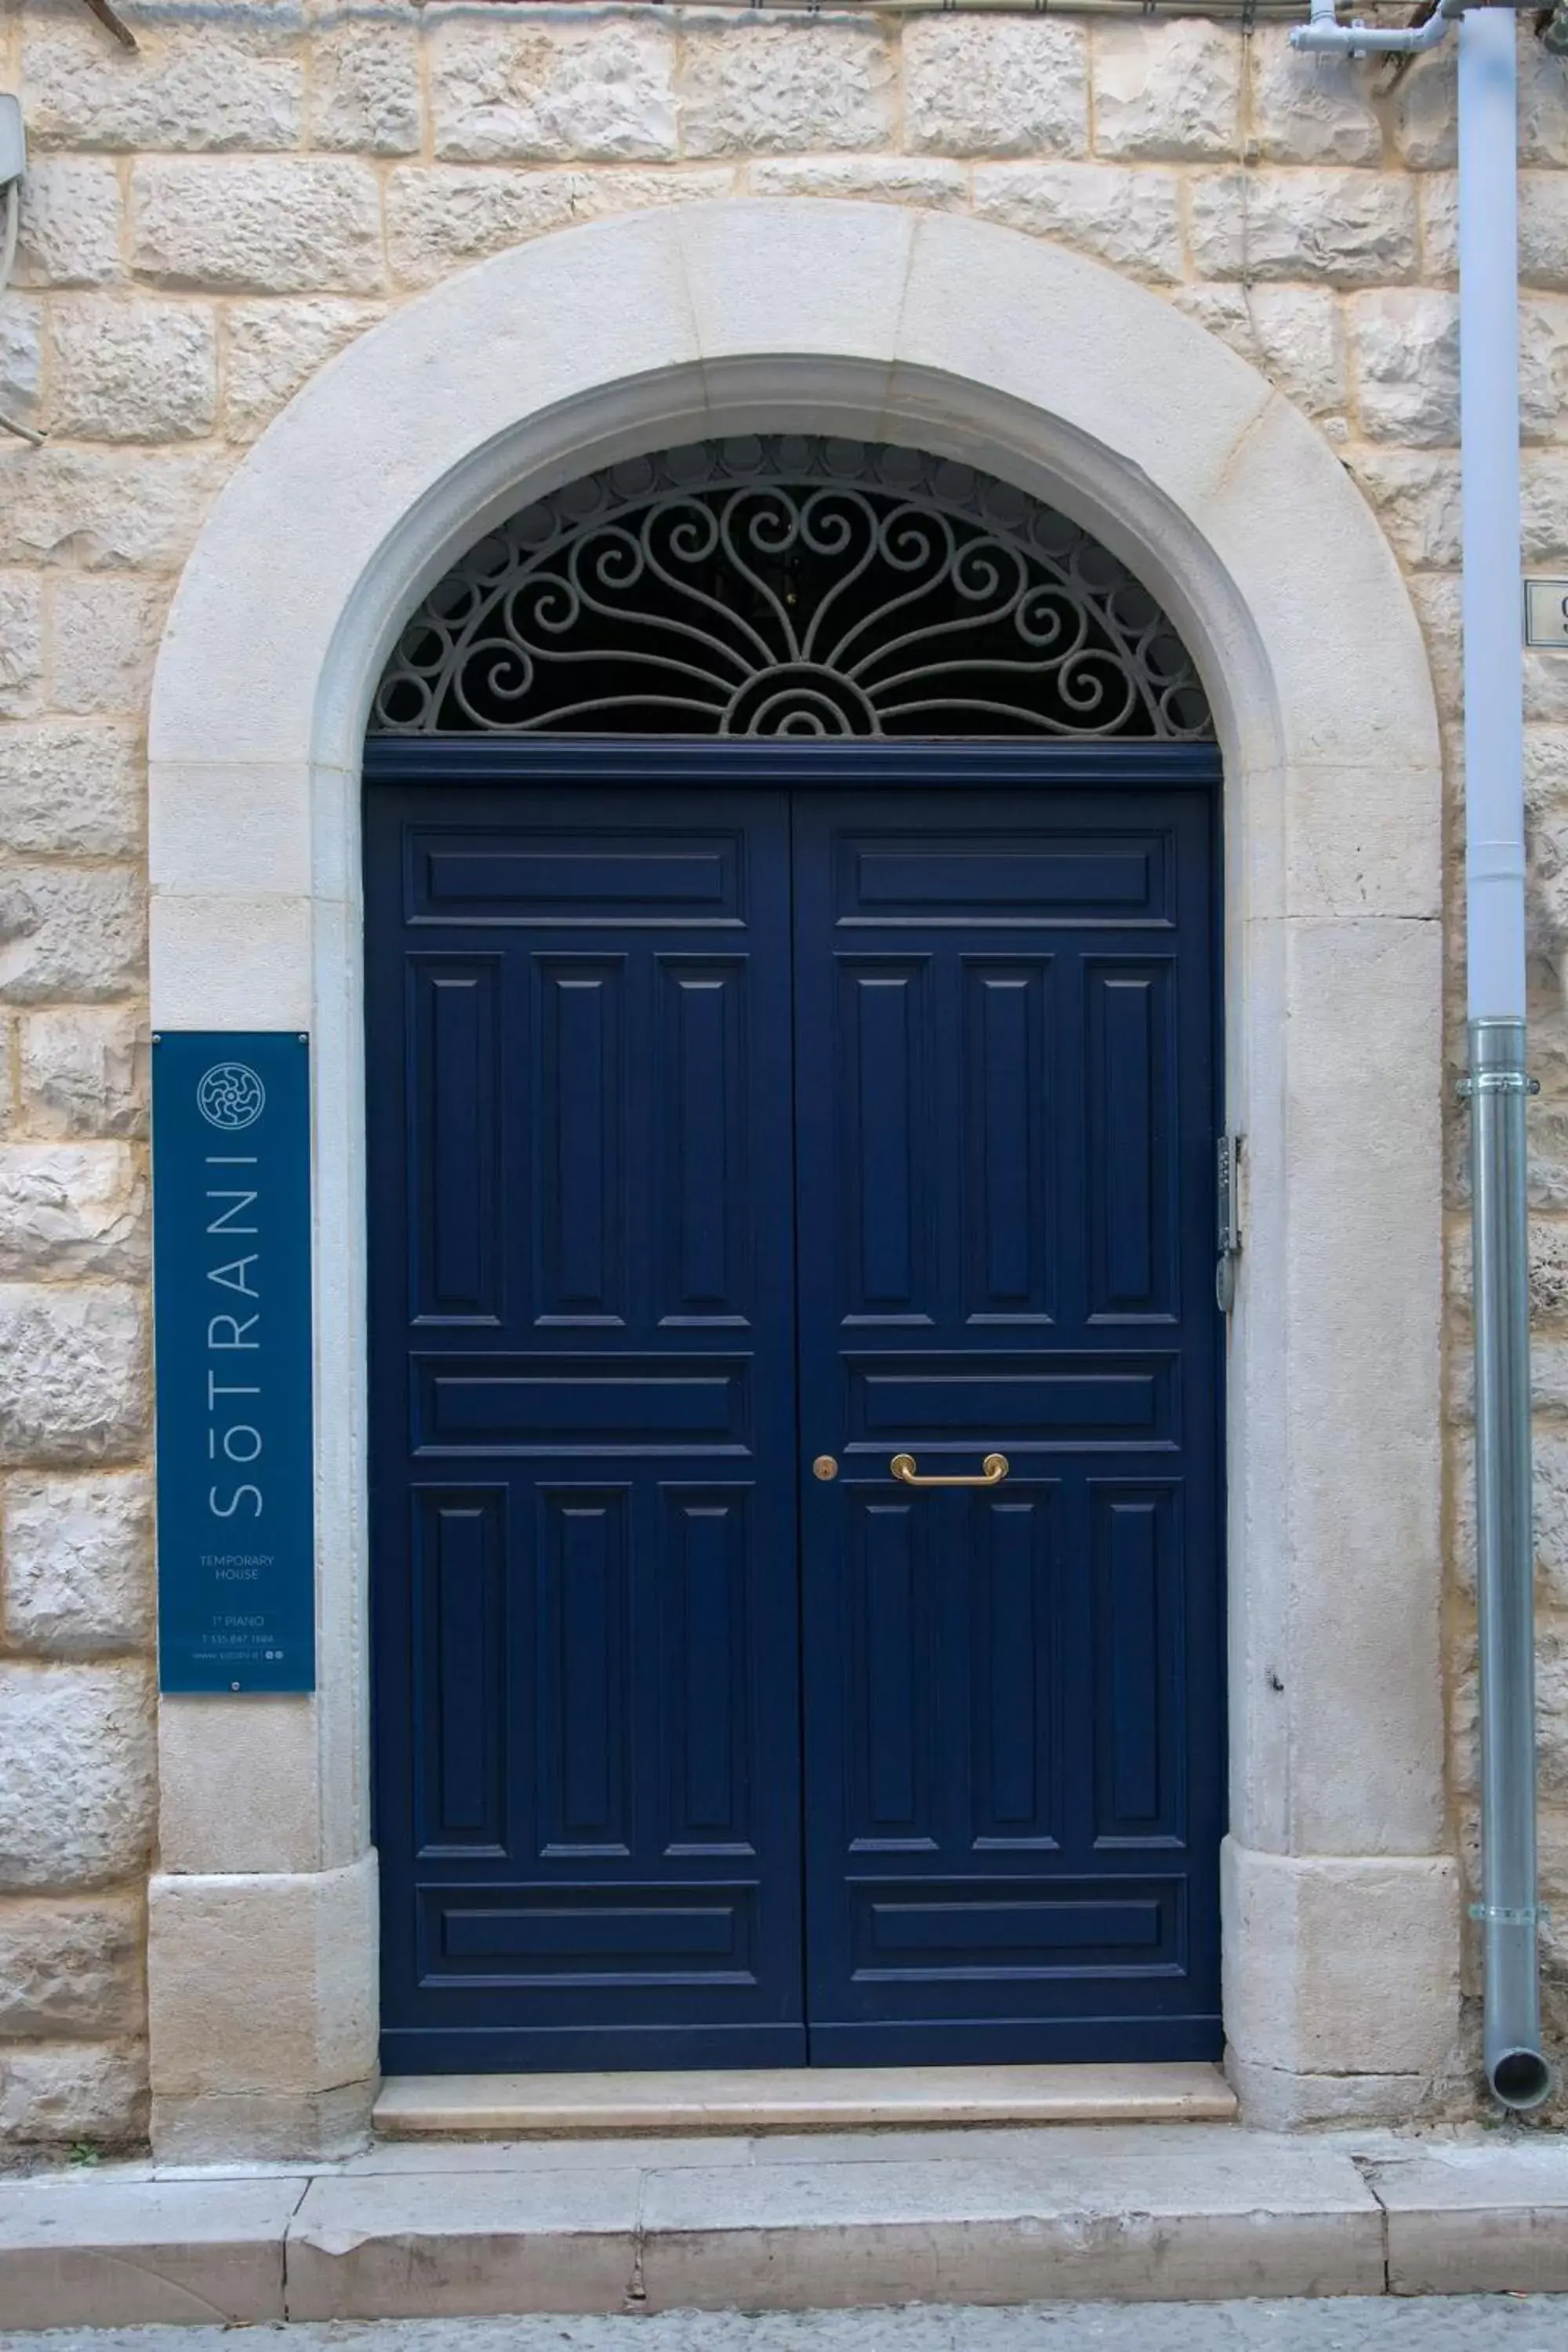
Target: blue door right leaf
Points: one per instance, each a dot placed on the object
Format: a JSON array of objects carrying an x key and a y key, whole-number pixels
[{"x": 1012, "y": 1693}]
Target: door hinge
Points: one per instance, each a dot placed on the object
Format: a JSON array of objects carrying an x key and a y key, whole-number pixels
[{"x": 1228, "y": 1218}]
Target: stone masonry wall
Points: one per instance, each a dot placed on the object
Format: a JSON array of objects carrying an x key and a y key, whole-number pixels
[{"x": 210, "y": 219}]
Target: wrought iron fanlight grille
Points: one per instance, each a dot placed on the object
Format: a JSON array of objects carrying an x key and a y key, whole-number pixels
[{"x": 790, "y": 585}]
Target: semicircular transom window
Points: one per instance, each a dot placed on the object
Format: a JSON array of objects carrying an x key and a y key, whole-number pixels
[{"x": 790, "y": 585}]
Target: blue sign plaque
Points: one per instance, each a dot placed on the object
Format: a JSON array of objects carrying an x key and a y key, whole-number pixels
[{"x": 231, "y": 1233}]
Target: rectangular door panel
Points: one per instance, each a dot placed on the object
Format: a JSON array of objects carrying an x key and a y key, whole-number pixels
[
  {"x": 586, "y": 1947},
  {"x": 1011, "y": 1695},
  {"x": 579, "y": 1188},
  {"x": 890, "y": 1684},
  {"x": 1008, "y": 1224},
  {"x": 1034, "y": 1400},
  {"x": 929, "y": 872},
  {"x": 1016, "y": 1767},
  {"x": 678, "y": 1402},
  {"x": 709, "y": 1669},
  {"x": 583, "y": 1670},
  {"x": 705, "y": 1231},
  {"x": 1015, "y": 1932},
  {"x": 642, "y": 872},
  {"x": 1136, "y": 1551},
  {"x": 455, "y": 1140},
  {"x": 885, "y": 1137},
  {"x": 1132, "y": 1142},
  {"x": 587, "y": 1709},
  {"x": 459, "y": 1544}
]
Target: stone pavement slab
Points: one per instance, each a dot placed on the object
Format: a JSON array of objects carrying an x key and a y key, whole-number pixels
[
  {"x": 108, "y": 2252},
  {"x": 1475, "y": 2218},
  {"x": 513, "y": 2240},
  {"x": 1076, "y": 2214}
]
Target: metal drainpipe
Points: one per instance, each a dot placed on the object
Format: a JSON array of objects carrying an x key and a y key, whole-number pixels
[{"x": 1498, "y": 1083}]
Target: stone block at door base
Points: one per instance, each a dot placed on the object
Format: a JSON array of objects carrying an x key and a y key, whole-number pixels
[
  {"x": 1272, "y": 2099},
  {"x": 262, "y": 1996},
  {"x": 1339, "y": 1967},
  {"x": 263, "y": 2126}
]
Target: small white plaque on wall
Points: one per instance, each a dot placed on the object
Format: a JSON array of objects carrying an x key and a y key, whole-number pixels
[{"x": 1546, "y": 613}]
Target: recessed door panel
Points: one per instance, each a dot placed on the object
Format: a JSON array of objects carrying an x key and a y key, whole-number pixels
[
  {"x": 1140, "y": 1672},
  {"x": 455, "y": 1106},
  {"x": 1009, "y": 1123},
  {"x": 1014, "y": 1705},
  {"x": 710, "y": 1670},
  {"x": 579, "y": 1186},
  {"x": 458, "y": 1546},
  {"x": 884, "y": 1199},
  {"x": 583, "y": 1670},
  {"x": 705, "y": 1236},
  {"x": 1132, "y": 1141},
  {"x": 890, "y": 1693}
]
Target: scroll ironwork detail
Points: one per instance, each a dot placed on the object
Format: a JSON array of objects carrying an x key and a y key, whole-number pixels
[{"x": 790, "y": 585}]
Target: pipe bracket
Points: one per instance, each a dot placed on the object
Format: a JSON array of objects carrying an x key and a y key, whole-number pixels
[
  {"x": 1499, "y": 1914},
  {"x": 1497, "y": 1082}
]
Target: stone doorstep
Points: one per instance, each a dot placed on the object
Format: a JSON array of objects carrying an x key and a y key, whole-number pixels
[
  {"x": 803, "y": 2098},
  {"x": 1112, "y": 2212}
]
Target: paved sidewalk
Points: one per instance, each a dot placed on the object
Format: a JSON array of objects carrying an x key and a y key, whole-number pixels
[
  {"x": 1152, "y": 2214},
  {"x": 1460, "y": 2324}
]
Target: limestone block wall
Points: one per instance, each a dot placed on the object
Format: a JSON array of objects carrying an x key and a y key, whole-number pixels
[{"x": 208, "y": 221}]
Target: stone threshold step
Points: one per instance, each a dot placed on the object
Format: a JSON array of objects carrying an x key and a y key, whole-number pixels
[
  {"x": 793, "y": 2099},
  {"x": 1106, "y": 2212}
]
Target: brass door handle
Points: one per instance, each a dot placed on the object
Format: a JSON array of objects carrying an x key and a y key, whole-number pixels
[{"x": 993, "y": 1469}]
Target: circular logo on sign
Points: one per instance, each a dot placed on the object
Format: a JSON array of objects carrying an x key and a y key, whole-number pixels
[{"x": 231, "y": 1096}]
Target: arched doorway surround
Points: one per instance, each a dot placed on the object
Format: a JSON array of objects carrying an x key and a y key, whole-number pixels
[{"x": 1341, "y": 1907}]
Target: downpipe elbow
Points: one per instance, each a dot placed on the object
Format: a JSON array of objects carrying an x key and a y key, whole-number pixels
[{"x": 1518, "y": 2078}]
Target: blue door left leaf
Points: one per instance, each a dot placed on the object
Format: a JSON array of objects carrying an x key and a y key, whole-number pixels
[
  {"x": 584, "y": 1521},
  {"x": 232, "y": 1333}
]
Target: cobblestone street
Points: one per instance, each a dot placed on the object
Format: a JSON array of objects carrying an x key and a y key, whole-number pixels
[{"x": 1387, "y": 2323}]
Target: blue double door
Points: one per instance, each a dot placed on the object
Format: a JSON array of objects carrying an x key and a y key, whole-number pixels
[{"x": 738, "y": 1128}]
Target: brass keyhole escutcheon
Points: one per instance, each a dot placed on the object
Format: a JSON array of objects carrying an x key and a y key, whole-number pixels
[{"x": 824, "y": 1467}]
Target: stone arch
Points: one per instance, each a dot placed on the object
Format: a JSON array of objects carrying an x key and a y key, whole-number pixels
[{"x": 980, "y": 344}]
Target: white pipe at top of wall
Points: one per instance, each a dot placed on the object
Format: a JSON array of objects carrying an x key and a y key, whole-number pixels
[{"x": 1325, "y": 34}]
